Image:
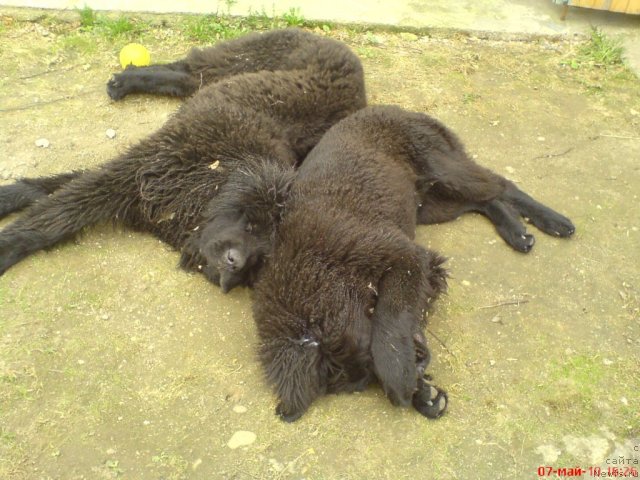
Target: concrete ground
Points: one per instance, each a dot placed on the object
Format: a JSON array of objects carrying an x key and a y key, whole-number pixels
[{"x": 505, "y": 18}]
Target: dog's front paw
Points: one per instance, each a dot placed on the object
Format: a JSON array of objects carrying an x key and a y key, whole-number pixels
[
  {"x": 430, "y": 400},
  {"x": 286, "y": 414},
  {"x": 115, "y": 87},
  {"x": 523, "y": 243}
]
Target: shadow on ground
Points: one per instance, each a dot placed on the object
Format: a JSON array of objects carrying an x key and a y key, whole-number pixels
[{"x": 116, "y": 364}]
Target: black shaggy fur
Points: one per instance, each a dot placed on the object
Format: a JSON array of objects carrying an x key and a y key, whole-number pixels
[
  {"x": 341, "y": 299},
  {"x": 266, "y": 101}
]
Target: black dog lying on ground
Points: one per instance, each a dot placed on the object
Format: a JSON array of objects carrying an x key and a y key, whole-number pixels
[
  {"x": 266, "y": 100},
  {"x": 341, "y": 299}
]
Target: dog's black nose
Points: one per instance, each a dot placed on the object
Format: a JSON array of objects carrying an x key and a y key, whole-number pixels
[{"x": 234, "y": 259}]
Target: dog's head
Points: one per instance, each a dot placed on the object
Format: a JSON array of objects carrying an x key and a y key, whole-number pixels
[
  {"x": 311, "y": 343},
  {"x": 241, "y": 223},
  {"x": 234, "y": 247}
]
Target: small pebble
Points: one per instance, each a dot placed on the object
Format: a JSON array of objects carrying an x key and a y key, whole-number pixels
[
  {"x": 510, "y": 169},
  {"x": 541, "y": 139},
  {"x": 607, "y": 362},
  {"x": 42, "y": 143},
  {"x": 241, "y": 438},
  {"x": 492, "y": 362},
  {"x": 240, "y": 409},
  {"x": 111, "y": 133},
  {"x": 466, "y": 283}
]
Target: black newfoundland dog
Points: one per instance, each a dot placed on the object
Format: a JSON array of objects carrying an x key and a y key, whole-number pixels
[
  {"x": 342, "y": 298},
  {"x": 261, "y": 103}
]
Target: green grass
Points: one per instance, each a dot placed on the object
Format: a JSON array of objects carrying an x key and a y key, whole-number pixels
[
  {"x": 111, "y": 28},
  {"x": 88, "y": 16},
  {"x": 212, "y": 28},
  {"x": 586, "y": 371},
  {"x": 599, "y": 51},
  {"x": 293, "y": 18},
  {"x": 602, "y": 50}
]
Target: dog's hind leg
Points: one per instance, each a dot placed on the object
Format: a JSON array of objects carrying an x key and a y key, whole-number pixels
[
  {"x": 543, "y": 217},
  {"x": 455, "y": 191},
  {"x": 92, "y": 197},
  {"x": 439, "y": 205},
  {"x": 26, "y": 191}
]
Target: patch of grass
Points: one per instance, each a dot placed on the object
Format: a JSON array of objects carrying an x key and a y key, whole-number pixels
[
  {"x": 293, "y": 18},
  {"x": 584, "y": 370},
  {"x": 111, "y": 28},
  {"x": 257, "y": 20},
  {"x": 602, "y": 50},
  {"x": 210, "y": 28},
  {"x": 88, "y": 16},
  {"x": 117, "y": 27},
  {"x": 599, "y": 51}
]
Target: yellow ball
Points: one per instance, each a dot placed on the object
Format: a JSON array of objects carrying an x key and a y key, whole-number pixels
[{"x": 134, "y": 54}]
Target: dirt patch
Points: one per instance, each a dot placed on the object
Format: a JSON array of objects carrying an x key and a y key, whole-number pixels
[{"x": 114, "y": 363}]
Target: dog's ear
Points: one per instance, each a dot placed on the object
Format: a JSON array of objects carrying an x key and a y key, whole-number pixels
[
  {"x": 394, "y": 355},
  {"x": 272, "y": 185},
  {"x": 294, "y": 367},
  {"x": 190, "y": 257}
]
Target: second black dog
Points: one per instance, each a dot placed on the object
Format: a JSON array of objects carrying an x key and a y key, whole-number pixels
[{"x": 341, "y": 299}]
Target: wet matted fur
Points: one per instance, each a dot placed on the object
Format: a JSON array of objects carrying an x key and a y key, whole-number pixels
[{"x": 261, "y": 102}]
